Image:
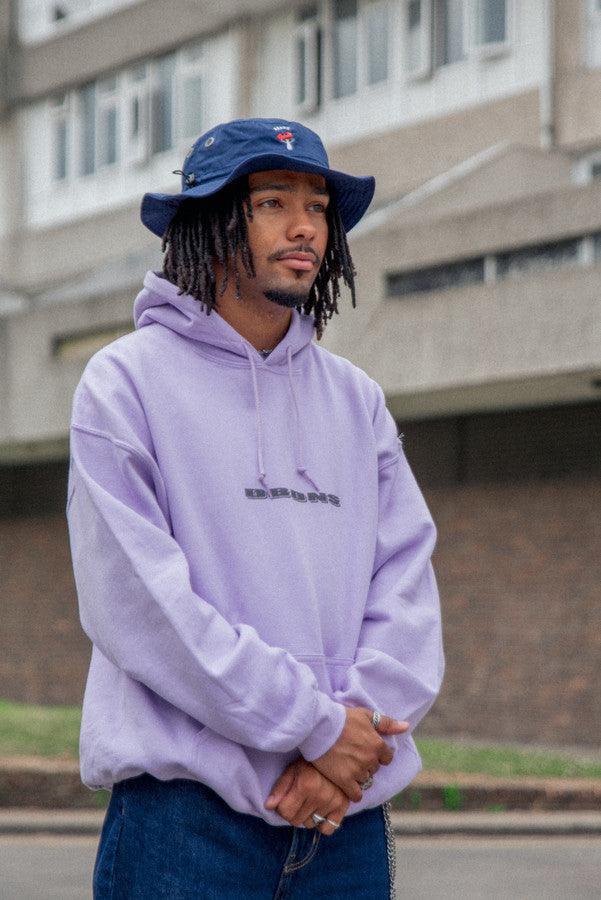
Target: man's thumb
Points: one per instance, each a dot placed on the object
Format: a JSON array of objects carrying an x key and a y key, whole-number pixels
[
  {"x": 388, "y": 725},
  {"x": 279, "y": 790}
]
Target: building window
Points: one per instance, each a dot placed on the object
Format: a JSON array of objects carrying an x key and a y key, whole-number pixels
[
  {"x": 581, "y": 250},
  {"x": 60, "y": 111},
  {"x": 308, "y": 48},
  {"x": 87, "y": 129},
  {"x": 136, "y": 115},
  {"x": 491, "y": 21},
  {"x": 344, "y": 47},
  {"x": 360, "y": 44},
  {"x": 43, "y": 19},
  {"x": 597, "y": 246},
  {"x": 417, "y": 37},
  {"x": 442, "y": 32},
  {"x": 436, "y": 278},
  {"x": 449, "y": 31},
  {"x": 161, "y": 104},
  {"x": 191, "y": 79},
  {"x": 125, "y": 118},
  {"x": 535, "y": 258},
  {"x": 108, "y": 122},
  {"x": 376, "y": 29}
]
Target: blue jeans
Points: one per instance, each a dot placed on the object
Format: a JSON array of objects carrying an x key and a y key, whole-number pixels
[{"x": 179, "y": 839}]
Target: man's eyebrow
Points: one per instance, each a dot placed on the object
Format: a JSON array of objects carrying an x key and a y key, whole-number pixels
[{"x": 285, "y": 186}]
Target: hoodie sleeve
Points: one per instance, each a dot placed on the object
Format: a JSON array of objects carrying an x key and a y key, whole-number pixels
[
  {"x": 399, "y": 662},
  {"x": 135, "y": 598}
]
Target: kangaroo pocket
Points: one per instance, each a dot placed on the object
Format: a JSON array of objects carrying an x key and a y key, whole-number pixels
[{"x": 244, "y": 776}]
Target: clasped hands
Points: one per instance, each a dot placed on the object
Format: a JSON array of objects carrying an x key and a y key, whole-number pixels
[{"x": 328, "y": 784}]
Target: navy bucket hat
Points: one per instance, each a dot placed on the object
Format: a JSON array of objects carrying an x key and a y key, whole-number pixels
[{"x": 254, "y": 145}]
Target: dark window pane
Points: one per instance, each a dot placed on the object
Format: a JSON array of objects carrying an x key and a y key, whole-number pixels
[
  {"x": 377, "y": 27},
  {"x": 534, "y": 258},
  {"x": 162, "y": 106},
  {"x": 448, "y": 31},
  {"x": 301, "y": 70},
  {"x": 88, "y": 129},
  {"x": 492, "y": 25},
  {"x": 414, "y": 9},
  {"x": 345, "y": 47},
  {"x": 60, "y": 149},
  {"x": 436, "y": 278}
]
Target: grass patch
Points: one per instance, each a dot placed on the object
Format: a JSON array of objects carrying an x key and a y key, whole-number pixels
[
  {"x": 27, "y": 730},
  {"x": 54, "y": 731},
  {"x": 447, "y": 756}
]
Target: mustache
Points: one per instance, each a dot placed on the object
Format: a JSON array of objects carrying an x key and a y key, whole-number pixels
[{"x": 301, "y": 248}]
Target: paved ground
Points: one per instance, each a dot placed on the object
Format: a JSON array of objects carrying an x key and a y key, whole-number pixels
[{"x": 428, "y": 868}]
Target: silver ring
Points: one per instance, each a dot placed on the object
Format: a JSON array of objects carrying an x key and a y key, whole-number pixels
[
  {"x": 319, "y": 820},
  {"x": 367, "y": 783},
  {"x": 335, "y": 824},
  {"x": 376, "y": 717}
]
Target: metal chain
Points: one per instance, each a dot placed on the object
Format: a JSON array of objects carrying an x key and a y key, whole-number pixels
[{"x": 390, "y": 847}]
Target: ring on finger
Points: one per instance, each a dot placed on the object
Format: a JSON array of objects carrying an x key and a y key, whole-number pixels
[
  {"x": 334, "y": 824},
  {"x": 319, "y": 820}
]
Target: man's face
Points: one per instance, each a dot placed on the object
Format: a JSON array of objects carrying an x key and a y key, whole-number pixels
[{"x": 287, "y": 235}]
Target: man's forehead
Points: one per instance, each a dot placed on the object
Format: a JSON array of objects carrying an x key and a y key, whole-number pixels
[{"x": 286, "y": 179}]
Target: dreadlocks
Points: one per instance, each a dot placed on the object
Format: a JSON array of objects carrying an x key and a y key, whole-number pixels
[{"x": 215, "y": 228}]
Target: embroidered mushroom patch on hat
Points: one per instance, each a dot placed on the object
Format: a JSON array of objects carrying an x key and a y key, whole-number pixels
[{"x": 284, "y": 135}]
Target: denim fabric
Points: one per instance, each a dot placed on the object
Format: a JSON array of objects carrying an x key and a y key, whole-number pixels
[{"x": 179, "y": 839}]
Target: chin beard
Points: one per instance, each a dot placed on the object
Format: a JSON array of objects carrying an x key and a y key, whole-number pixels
[{"x": 286, "y": 298}]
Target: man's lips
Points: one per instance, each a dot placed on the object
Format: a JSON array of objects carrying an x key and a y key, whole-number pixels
[{"x": 300, "y": 261}]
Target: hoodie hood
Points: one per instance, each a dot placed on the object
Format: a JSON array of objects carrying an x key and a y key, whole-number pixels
[{"x": 159, "y": 301}]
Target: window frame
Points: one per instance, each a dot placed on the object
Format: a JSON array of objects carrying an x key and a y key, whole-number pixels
[
  {"x": 106, "y": 100},
  {"x": 60, "y": 111},
  {"x": 136, "y": 149},
  {"x": 312, "y": 30},
  {"x": 132, "y": 84},
  {"x": 362, "y": 41},
  {"x": 490, "y": 49},
  {"x": 466, "y": 9},
  {"x": 426, "y": 69},
  {"x": 363, "y": 86}
]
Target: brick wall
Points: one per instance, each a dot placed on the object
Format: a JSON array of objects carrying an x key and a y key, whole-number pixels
[{"x": 518, "y": 564}]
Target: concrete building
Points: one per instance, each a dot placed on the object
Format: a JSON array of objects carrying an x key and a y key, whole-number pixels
[{"x": 478, "y": 305}]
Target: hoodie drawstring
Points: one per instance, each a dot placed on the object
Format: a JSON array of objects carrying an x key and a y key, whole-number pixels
[{"x": 300, "y": 467}]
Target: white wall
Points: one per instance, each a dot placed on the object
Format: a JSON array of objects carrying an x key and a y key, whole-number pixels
[
  {"x": 48, "y": 202},
  {"x": 35, "y": 18},
  {"x": 399, "y": 101}
]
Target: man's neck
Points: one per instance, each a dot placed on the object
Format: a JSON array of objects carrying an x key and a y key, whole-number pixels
[{"x": 264, "y": 325}]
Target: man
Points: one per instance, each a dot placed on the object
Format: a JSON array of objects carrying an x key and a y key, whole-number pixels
[{"x": 251, "y": 551}]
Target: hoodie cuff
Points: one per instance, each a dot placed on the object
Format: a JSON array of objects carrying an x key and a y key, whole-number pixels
[{"x": 330, "y": 718}]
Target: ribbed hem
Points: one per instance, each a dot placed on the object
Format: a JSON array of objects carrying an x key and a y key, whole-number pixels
[{"x": 330, "y": 718}]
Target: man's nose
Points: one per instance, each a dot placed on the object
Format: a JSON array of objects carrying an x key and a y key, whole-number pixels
[{"x": 300, "y": 226}]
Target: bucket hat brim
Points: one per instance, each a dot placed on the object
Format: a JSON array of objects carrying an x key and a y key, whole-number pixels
[{"x": 354, "y": 193}]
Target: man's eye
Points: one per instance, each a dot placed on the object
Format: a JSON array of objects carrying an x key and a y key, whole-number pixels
[
  {"x": 321, "y": 207},
  {"x": 266, "y": 202}
]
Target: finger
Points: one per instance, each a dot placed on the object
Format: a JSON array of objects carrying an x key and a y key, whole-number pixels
[
  {"x": 291, "y": 805},
  {"x": 386, "y": 755},
  {"x": 305, "y": 810},
  {"x": 353, "y": 791},
  {"x": 336, "y": 815},
  {"x": 279, "y": 790},
  {"x": 388, "y": 725}
]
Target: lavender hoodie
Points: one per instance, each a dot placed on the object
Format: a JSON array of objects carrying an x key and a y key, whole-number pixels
[{"x": 251, "y": 554}]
